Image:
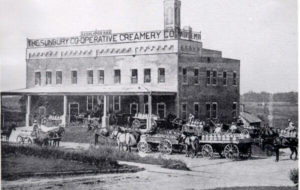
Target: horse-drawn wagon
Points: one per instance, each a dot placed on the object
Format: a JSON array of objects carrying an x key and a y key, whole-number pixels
[
  {"x": 230, "y": 145},
  {"x": 164, "y": 143}
]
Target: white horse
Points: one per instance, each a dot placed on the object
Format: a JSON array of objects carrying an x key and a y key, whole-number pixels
[
  {"x": 191, "y": 144},
  {"x": 124, "y": 139}
]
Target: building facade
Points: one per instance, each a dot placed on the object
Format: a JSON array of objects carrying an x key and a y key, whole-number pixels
[{"x": 161, "y": 72}]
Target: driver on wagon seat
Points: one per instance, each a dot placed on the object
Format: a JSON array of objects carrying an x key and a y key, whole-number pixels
[{"x": 291, "y": 127}]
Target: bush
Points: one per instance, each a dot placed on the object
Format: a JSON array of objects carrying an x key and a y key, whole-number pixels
[{"x": 294, "y": 176}]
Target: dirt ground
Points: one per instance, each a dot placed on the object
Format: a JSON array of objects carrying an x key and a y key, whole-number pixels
[{"x": 205, "y": 174}]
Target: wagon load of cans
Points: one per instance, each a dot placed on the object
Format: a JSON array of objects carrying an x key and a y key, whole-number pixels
[
  {"x": 227, "y": 137},
  {"x": 288, "y": 134}
]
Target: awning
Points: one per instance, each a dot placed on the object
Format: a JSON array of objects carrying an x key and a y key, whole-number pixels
[
  {"x": 95, "y": 90},
  {"x": 250, "y": 117}
]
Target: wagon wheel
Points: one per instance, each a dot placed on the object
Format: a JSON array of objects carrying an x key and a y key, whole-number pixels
[
  {"x": 143, "y": 147},
  {"x": 136, "y": 124},
  {"x": 231, "y": 151},
  {"x": 269, "y": 149},
  {"x": 165, "y": 147},
  {"x": 20, "y": 139},
  {"x": 207, "y": 151}
]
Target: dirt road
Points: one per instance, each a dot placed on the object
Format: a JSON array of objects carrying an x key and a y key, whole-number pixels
[{"x": 205, "y": 174}]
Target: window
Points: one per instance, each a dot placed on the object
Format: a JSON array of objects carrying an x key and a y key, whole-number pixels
[
  {"x": 196, "y": 76},
  {"x": 134, "y": 76},
  {"x": 214, "y": 78},
  {"x": 117, "y": 76},
  {"x": 214, "y": 110},
  {"x": 48, "y": 77},
  {"x": 90, "y": 75},
  {"x": 133, "y": 108},
  {"x": 234, "y": 81},
  {"x": 37, "y": 78},
  {"x": 58, "y": 77},
  {"x": 184, "y": 111},
  {"x": 161, "y": 110},
  {"x": 234, "y": 110},
  {"x": 146, "y": 108},
  {"x": 89, "y": 103},
  {"x": 161, "y": 75},
  {"x": 196, "y": 109},
  {"x": 208, "y": 110},
  {"x": 74, "y": 77},
  {"x": 208, "y": 77},
  {"x": 224, "y": 78},
  {"x": 147, "y": 75},
  {"x": 184, "y": 76},
  {"x": 117, "y": 103},
  {"x": 100, "y": 76}
]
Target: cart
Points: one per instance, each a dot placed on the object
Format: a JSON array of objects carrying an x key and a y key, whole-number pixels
[
  {"x": 25, "y": 136},
  {"x": 231, "y": 146},
  {"x": 164, "y": 143}
]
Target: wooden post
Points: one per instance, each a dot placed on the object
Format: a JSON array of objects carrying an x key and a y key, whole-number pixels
[
  {"x": 64, "y": 119},
  {"x": 28, "y": 105},
  {"x": 105, "y": 122},
  {"x": 149, "y": 123}
]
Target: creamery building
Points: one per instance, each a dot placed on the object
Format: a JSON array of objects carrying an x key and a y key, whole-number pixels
[{"x": 159, "y": 72}]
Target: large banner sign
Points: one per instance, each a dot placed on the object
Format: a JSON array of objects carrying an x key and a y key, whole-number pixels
[{"x": 107, "y": 37}]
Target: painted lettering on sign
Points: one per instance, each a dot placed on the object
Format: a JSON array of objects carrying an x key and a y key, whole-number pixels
[{"x": 103, "y": 37}]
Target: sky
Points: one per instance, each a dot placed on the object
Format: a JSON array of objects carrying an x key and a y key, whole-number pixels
[{"x": 261, "y": 34}]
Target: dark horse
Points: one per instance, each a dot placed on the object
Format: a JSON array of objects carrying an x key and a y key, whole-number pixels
[
  {"x": 55, "y": 136},
  {"x": 271, "y": 141},
  {"x": 6, "y": 132}
]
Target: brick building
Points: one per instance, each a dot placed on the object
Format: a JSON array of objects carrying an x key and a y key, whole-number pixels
[{"x": 161, "y": 72}]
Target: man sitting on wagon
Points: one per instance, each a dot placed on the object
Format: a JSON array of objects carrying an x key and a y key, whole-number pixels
[
  {"x": 233, "y": 128},
  {"x": 291, "y": 127},
  {"x": 218, "y": 129}
]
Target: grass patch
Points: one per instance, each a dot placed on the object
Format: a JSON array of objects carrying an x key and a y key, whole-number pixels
[
  {"x": 80, "y": 134},
  {"x": 134, "y": 157},
  {"x": 259, "y": 188}
]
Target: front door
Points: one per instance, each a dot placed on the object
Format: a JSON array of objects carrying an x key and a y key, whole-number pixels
[
  {"x": 74, "y": 111},
  {"x": 161, "y": 110},
  {"x": 133, "y": 108}
]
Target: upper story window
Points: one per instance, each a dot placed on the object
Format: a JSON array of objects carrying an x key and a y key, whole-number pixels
[
  {"x": 161, "y": 75},
  {"x": 214, "y": 110},
  {"x": 101, "y": 76},
  {"x": 74, "y": 77},
  {"x": 134, "y": 76},
  {"x": 117, "y": 103},
  {"x": 184, "y": 76},
  {"x": 117, "y": 78},
  {"x": 214, "y": 77},
  {"x": 58, "y": 77},
  {"x": 147, "y": 75},
  {"x": 224, "y": 78},
  {"x": 90, "y": 76},
  {"x": 234, "y": 80},
  {"x": 48, "y": 77},
  {"x": 208, "y": 77},
  {"x": 196, "y": 76},
  {"x": 37, "y": 77}
]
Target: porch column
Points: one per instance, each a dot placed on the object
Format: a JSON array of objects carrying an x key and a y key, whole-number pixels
[
  {"x": 64, "y": 119},
  {"x": 149, "y": 111},
  {"x": 28, "y": 105},
  {"x": 141, "y": 104},
  {"x": 105, "y": 122}
]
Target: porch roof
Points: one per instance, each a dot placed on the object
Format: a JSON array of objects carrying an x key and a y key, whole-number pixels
[{"x": 95, "y": 90}]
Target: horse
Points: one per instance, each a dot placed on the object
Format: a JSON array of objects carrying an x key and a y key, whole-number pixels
[
  {"x": 55, "y": 136},
  {"x": 191, "y": 144},
  {"x": 7, "y": 131},
  {"x": 125, "y": 139},
  {"x": 269, "y": 137}
]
